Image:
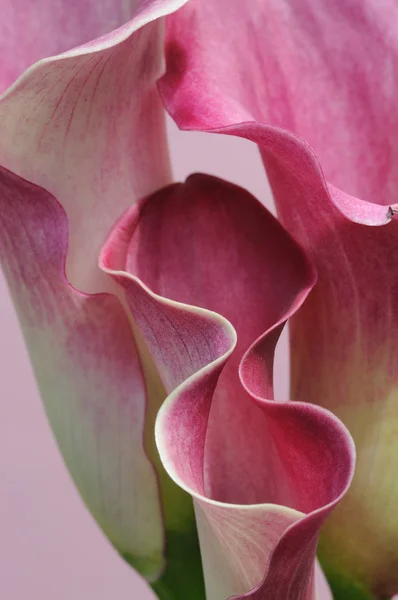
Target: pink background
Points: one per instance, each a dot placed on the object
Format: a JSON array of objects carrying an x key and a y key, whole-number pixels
[{"x": 50, "y": 547}]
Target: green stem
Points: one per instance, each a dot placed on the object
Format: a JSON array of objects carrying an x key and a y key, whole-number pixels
[{"x": 183, "y": 577}]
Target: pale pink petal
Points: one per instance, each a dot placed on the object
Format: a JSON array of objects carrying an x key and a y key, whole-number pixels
[
  {"x": 89, "y": 128},
  {"x": 322, "y": 585},
  {"x": 88, "y": 373},
  {"x": 285, "y": 72},
  {"x": 30, "y": 30},
  {"x": 211, "y": 277},
  {"x": 87, "y": 125}
]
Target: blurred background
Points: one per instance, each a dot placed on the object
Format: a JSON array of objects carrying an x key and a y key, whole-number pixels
[{"x": 50, "y": 547}]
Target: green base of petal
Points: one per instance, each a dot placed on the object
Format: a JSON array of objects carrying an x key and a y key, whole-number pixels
[
  {"x": 183, "y": 577},
  {"x": 144, "y": 566},
  {"x": 345, "y": 588}
]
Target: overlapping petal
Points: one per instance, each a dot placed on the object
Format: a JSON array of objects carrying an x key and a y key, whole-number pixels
[
  {"x": 211, "y": 277},
  {"x": 325, "y": 72},
  {"x": 88, "y": 372},
  {"x": 285, "y": 72},
  {"x": 87, "y": 127},
  {"x": 31, "y": 31}
]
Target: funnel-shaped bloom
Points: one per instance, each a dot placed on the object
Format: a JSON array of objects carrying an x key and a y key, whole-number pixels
[
  {"x": 211, "y": 277},
  {"x": 323, "y": 73},
  {"x": 196, "y": 283}
]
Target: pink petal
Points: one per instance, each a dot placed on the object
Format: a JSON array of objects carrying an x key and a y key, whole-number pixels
[
  {"x": 88, "y": 126},
  {"x": 322, "y": 585},
  {"x": 33, "y": 30},
  {"x": 299, "y": 66},
  {"x": 211, "y": 277},
  {"x": 88, "y": 372},
  {"x": 324, "y": 72}
]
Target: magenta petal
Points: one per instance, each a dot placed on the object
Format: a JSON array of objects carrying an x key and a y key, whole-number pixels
[
  {"x": 207, "y": 270},
  {"x": 88, "y": 372},
  {"x": 285, "y": 72}
]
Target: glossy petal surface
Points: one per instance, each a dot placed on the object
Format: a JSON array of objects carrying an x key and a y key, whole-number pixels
[
  {"x": 323, "y": 75},
  {"x": 211, "y": 277}
]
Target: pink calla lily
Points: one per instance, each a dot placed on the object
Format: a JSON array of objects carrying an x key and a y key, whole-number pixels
[
  {"x": 173, "y": 335},
  {"x": 88, "y": 126},
  {"x": 211, "y": 245},
  {"x": 323, "y": 74}
]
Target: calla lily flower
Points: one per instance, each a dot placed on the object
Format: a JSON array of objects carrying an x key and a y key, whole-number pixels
[
  {"x": 318, "y": 96},
  {"x": 154, "y": 351}
]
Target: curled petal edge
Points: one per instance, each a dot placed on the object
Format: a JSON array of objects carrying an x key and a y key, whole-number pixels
[
  {"x": 62, "y": 126},
  {"x": 88, "y": 371},
  {"x": 145, "y": 14},
  {"x": 287, "y": 572}
]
